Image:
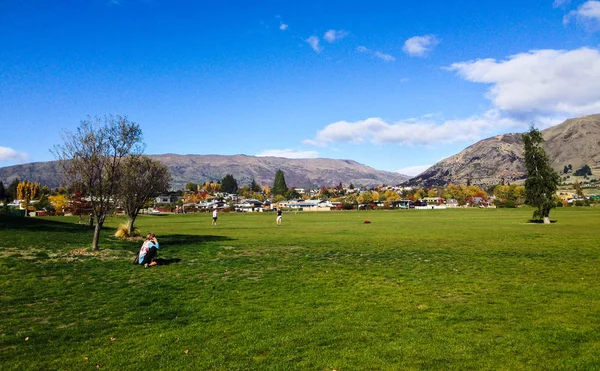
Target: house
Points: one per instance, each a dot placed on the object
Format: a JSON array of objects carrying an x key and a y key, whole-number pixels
[
  {"x": 249, "y": 205},
  {"x": 166, "y": 199},
  {"x": 308, "y": 205},
  {"x": 433, "y": 200}
]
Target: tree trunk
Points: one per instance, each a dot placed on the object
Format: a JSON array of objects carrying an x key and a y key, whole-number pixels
[
  {"x": 96, "y": 240},
  {"x": 546, "y": 220},
  {"x": 130, "y": 222}
]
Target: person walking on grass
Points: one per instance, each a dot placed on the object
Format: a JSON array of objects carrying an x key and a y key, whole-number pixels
[
  {"x": 279, "y": 216},
  {"x": 215, "y": 216}
]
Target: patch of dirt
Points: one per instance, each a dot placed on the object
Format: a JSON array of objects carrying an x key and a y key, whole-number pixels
[{"x": 31, "y": 253}]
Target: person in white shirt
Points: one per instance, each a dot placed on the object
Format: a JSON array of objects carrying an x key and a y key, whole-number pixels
[{"x": 215, "y": 215}]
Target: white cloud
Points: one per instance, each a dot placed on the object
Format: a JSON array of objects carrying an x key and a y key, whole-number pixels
[
  {"x": 283, "y": 26},
  {"x": 10, "y": 154},
  {"x": 287, "y": 153},
  {"x": 314, "y": 43},
  {"x": 413, "y": 170},
  {"x": 334, "y": 35},
  {"x": 376, "y": 53},
  {"x": 421, "y": 131},
  {"x": 419, "y": 46},
  {"x": 588, "y": 14},
  {"x": 540, "y": 82},
  {"x": 384, "y": 57},
  {"x": 559, "y": 3}
]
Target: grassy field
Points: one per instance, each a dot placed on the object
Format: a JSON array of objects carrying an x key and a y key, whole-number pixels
[{"x": 418, "y": 289}]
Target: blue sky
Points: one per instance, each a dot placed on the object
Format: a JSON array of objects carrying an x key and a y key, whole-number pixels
[{"x": 396, "y": 85}]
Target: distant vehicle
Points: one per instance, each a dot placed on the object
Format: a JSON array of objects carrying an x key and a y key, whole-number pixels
[{"x": 155, "y": 211}]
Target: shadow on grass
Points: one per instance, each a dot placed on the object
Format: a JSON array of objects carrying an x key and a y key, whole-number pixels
[
  {"x": 42, "y": 225},
  {"x": 161, "y": 261},
  {"x": 174, "y": 240},
  {"x": 536, "y": 221}
]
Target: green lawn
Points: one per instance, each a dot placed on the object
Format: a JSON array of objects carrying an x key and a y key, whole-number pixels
[{"x": 419, "y": 289}]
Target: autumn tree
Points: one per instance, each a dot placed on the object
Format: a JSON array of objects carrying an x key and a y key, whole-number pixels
[
  {"x": 542, "y": 181},
  {"x": 27, "y": 191},
  {"x": 142, "y": 179},
  {"x": 279, "y": 186},
  {"x": 59, "y": 201},
  {"x": 211, "y": 187},
  {"x": 93, "y": 155},
  {"x": 229, "y": 184}
]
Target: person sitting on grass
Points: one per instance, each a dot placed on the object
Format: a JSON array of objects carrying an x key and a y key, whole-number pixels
[{"x": 148, "y": 251}]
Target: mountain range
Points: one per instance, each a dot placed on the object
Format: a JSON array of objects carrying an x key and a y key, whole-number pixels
[
  {"x": 300, "y": 173},
  {"x": 575, "y": 142}
]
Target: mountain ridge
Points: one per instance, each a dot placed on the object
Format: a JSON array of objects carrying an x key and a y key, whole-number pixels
[
  {"x": 498, "y": 159},
  {"x": 301, "y": 173}
]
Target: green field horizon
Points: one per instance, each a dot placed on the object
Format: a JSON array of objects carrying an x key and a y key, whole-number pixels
[{"x": 465, "y": 289}]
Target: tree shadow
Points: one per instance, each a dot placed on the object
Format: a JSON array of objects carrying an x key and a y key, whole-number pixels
[
  {"x": 175, "y": 240},
  {"x": 42, "y": 225}
]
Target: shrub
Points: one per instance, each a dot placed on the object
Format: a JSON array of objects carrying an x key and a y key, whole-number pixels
[{"x": 123, "y": 232}]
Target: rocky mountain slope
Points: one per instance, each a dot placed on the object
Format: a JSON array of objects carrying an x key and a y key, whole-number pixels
[
  {"x": 305, "y": 173},
  {"x": 489, "y": 161}
]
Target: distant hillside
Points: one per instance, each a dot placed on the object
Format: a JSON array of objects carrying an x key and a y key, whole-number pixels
[
  {"x": 575, "y": 142},
  {"x": 304, "y": 173}
]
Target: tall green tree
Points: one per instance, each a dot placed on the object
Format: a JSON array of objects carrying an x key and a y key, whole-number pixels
[
  {"x": 93, "y": 155},
  {"x": 142, "y": 179},
  {"x": 542, "y": 181},
  {"x": 192, "y": 187},
  {"x": 254, "y": 186},
  {"x": 2, "y": 192},
  {"x": 11, "y": 191},
  {"x": 279, "y": 186},
  {"x": 229, "y": 184}
]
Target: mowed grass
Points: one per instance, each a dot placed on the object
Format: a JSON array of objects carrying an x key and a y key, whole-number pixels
[{"x": 418, "y": 289}]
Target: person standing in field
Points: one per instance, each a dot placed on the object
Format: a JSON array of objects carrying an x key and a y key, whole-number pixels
[
  {"x": 215, "y": 216},
  {"x": 279, "y": 216}
]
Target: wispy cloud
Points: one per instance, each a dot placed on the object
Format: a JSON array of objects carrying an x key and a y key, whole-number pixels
[
  {"x": 384, "y": 57},
  {"x": 587, "y": 14},
  {"x": 376, "y": 53},
  {"x": 283, "y": 26},
  {"x": 540, "y": 82},
  {"x": 7, "y": 154},
  {"x": 420, "y": 46},
  {"x": 559, "y": 3},
  {"x": 287, "y": 153},
  {"x": 420, "y": 131},
  {"x": 314, "y": 43},
  {"x": 334, "y": 35}
]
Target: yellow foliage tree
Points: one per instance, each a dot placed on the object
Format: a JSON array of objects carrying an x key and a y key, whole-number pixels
[
  {"x": 27, "y": 191},
  {"x": 267, "y": 190},
  {"x": 59, "y": 201},
  {"x": 211, "y": 187},
  {"x": 391, "y": 195}
]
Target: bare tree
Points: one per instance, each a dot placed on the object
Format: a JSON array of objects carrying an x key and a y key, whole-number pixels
[
  {"x": 92, "y": 156},
  {"x": 142, "y": 178}
]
